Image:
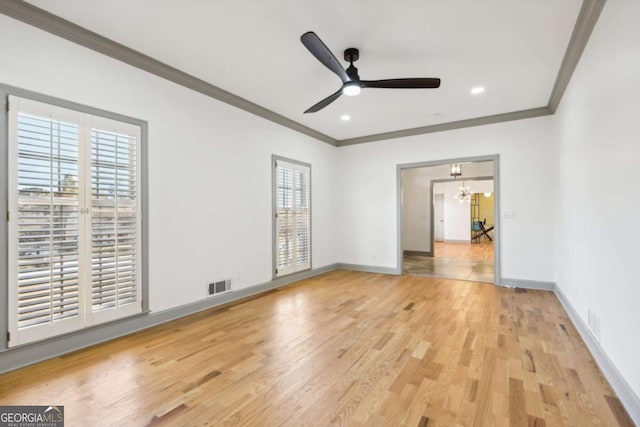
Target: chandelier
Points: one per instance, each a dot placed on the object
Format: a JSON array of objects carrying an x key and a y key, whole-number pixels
[
  {"x": 463, "y": 194},
  {"x": 456, "y": 169}
]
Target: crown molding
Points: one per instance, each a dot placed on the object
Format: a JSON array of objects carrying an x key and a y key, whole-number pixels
[
  {"x": 586, "y": 22},
  {"x": 442, "y": 127},
  {"x": 46, "y": 21}
]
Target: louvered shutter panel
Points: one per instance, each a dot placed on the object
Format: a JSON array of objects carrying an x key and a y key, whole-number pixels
[
  {"x": 44, "y": 243},
  {"x": 293, "y": 217},
  {"x": 303, "y": 219},
  {"x": 115, "y": 219},
  {"x": 284, "y": 229}
]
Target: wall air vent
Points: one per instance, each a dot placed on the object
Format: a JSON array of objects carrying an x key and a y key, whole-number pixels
[{"x": 219, "y": 287}]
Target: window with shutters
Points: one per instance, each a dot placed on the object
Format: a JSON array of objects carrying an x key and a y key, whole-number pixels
[
  {"x": 292, "y": 202},
  {"x": 74, "y": 220}
]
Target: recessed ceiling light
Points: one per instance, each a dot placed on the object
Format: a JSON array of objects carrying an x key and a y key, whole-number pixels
[
  {"x": 345, "y": 117},
  {"x": 477, "y": 90}
]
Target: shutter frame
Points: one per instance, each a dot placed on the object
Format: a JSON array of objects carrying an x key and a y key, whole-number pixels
[
  {"x": 292, "y": 216},
  {"x": 68, "y": 213}
]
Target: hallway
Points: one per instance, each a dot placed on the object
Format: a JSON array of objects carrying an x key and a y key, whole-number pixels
[{"x": 461, "y": 261}]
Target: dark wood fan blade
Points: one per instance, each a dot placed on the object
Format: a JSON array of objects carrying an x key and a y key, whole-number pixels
[
  {"x": 328, "y": 100},
  {"x": 322, "y": 53},
  {"x": 415, "y": 83}
]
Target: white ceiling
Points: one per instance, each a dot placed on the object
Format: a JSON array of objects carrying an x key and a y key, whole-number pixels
[{"x": 251, "y": 48}]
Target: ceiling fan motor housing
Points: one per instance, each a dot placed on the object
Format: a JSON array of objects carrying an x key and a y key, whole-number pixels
[
  {"x": 352, "y": 54},
  {"x": 352, "y": 72}
]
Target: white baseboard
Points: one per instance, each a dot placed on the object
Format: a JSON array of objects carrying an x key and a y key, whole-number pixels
[
  {"x": 528, "y": 284},
  {"x": 627, "y": 396},
  {"x": 368, "y": 268}
]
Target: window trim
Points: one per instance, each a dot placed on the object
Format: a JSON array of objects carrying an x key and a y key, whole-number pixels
[
  {"x": 274, "y": 221},
  {"x": 5, "y": 92}
]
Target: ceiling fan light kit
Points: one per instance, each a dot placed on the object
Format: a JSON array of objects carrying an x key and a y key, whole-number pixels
[
  {"x": 351, "y": 83},
  {"x": 351, "y": 89}
]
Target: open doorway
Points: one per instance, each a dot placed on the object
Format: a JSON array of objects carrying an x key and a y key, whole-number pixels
[{"x": 449, "y": 226}]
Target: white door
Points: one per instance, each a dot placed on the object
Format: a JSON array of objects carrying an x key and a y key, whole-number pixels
[{"x": 438, "y": 218}]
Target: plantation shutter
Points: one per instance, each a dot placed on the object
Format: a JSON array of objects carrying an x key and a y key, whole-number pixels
[
  {"x": 293, "y": 217},
  {"x": 44, "y": 241},
  {"x": 53, "y": 231},
  {"x": 115, "y": 220}
]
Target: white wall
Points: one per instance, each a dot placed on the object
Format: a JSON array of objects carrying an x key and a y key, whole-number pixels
[
  {"x": 485, "y": 186},
  {"x": 209, "y": 165},
  {"x": 367, "y": 211},
  {"x": 416, "y": 212},
  {"x": 598, "y": 197},
  {"x": 457, "y": 216}
]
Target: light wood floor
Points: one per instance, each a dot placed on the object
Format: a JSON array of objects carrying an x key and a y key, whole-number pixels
[
  {"x": 482, "y": 251},
  {"x": 459, "y": 261},
  {"x": 345, "y": 348}
]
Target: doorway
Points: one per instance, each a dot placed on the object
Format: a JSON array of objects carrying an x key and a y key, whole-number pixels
[{"x": 448, "y": 221}]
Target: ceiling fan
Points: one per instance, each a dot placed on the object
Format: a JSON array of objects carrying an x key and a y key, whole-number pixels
[{"x": 351, "y": 83}]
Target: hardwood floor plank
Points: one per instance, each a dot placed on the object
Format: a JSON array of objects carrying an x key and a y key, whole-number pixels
[
  {"x": 517, "y": 402},
  {"x": 344, "y": 348},
  {"x": 618, "y": 410}
]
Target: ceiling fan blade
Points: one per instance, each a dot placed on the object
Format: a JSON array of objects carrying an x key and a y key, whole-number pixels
[
  {"x": 328, "y": 100},
  {"x": 415, "y": 83},
  {"x": 322, "y": 53}
]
